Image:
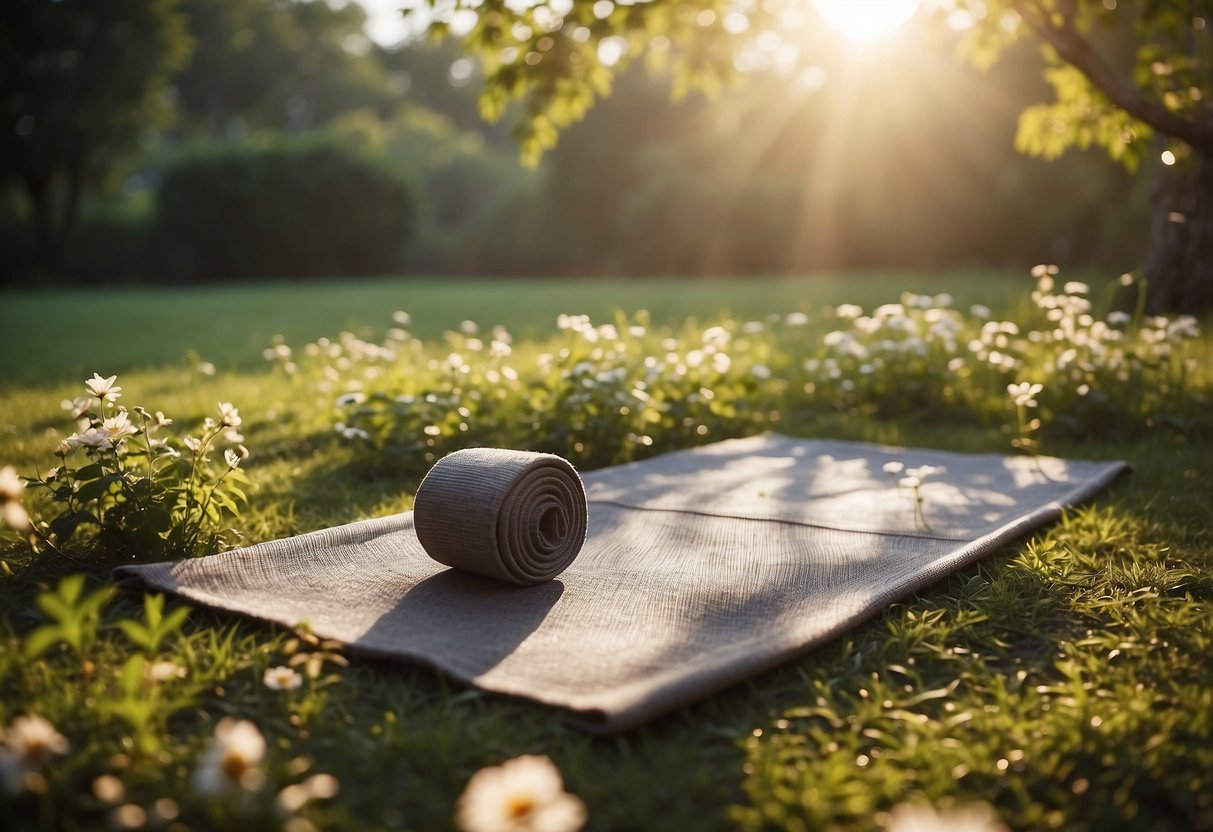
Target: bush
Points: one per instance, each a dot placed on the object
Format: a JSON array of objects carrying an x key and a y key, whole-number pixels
[{"x": 287, "y": 209}]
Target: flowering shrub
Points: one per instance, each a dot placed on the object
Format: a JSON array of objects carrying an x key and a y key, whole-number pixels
[
  {"x": 139, "y": 491},
  {"x": 602, "y": 394}
]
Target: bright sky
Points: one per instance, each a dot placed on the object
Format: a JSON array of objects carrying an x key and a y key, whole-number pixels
[{"x": 385, "y": 24}]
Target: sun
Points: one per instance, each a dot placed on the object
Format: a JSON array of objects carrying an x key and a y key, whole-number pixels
[{"x": 865, "y": 20}]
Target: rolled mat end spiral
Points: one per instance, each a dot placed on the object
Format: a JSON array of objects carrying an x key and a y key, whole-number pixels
[{"x": 517, "y": 516}]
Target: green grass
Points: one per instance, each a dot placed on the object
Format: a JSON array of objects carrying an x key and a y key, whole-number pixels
[
  {"x": 1066, "y": 680},
  {"x": 58, "y": 335}
]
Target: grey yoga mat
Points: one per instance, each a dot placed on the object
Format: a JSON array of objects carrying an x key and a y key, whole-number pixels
[{"x": 701, "y": 568}]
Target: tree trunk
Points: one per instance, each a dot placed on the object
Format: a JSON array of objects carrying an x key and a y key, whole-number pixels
[
  {"x": 1179, "y": 267},
  {"x": 46, "y": 254}
]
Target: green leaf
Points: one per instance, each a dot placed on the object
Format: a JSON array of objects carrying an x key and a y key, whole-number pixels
[
  {"x": 139, "y": 635},
  {"x": 96, "y": 488},
  {"x": 65, "y": 525},
  {"x": 41, "y": 640}
]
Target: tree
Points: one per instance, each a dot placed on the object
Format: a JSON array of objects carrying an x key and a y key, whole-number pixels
[
  {"x": 260, "y": 64},
  {"x": 1134, "y": 77},
  {"x": 80, "y": 83}
]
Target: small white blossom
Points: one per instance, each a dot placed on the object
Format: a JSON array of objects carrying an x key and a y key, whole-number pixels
[
  {"x": 979, "y": 310},
  {"x": 1118, "y": 318},
  {"x": 913, "y": 817},
  {"x": 282, "y": 678},
  {"x": 96, "y": 438},
  {"x": 163, "y": 671},
  {"x": 1076, "y": 287},
  {"x": 103, "y": 388},
  {"x": 12, "y": 511},
  {"x": 29, "y": 742},
  {"x": 909, "y": 482},
  {"x": 924, "y": 471},
  {"x": 233, "y": 761},
  {"x": 761, "y": 371},
  {"x": 229, "y": 415},
  {"x": 232, "y": 458},
  {"x": 1024, "y": 393},
  {"x": 118, "y": 427},
  {"x": 893, "y": 468},
  {"x": 193, "y": 443},
  {"x": 525, "y": 794}
]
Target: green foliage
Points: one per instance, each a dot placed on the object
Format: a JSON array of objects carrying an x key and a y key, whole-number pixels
[
  {"x": 1080, "y": 117},
  {"x": 138, "y": 496},
  {"x": 287, "y": 66},
  {"x": 82, "y": 82},
  {"x": 74, "y": 618},
  {"x": 607, "y": 394},
  {"x": 155, "y": 627},
  {"x": 283, "y": 209},
  {"x": 1064, "y": 680}
]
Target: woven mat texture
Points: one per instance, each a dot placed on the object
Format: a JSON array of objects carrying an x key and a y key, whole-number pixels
[{"x": 701, "y": 568}]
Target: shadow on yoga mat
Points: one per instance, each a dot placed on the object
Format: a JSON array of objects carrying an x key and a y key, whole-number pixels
[
  {"x": 432, "y": 618},
  {"x": 701, "y": 568}
]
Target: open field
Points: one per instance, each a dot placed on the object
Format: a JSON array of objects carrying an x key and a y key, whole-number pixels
[
  {"x": 49, "y": 334},
  {"x": 1064, "y": 680}
]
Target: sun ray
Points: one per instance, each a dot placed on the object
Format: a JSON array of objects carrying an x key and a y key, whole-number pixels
[{"x": 866, "y": 20}]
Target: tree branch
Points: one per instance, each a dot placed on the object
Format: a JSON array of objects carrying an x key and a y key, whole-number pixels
[{"x": 1079, "y": 53}]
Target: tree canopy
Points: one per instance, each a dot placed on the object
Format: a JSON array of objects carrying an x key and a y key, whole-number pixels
[
  {"x": 1133, "y": 77},
  {"x": 80, "y": 83}
]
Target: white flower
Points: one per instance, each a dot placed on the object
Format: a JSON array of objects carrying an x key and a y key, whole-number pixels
[
  {"x": 402, "y": 318},
  {"x": 232, "y": 458},
  {"x": 469, "y": 328},
  {"x": 233, "y": 761},
  {"x": 761, "y": 371},
  {"x": 796, "y": 319},
  {"x": 78, "y": 406},
  {"x": 1076, "y": 287},
  {"x": 161, "y": 420},
  {"x": 909, "y": 482},
  {"x": 1118, "y": 318},
  {"x": 922, "y": 817},
  {"x": 103, "y": 388},
  {"x": 92, "y": 438},
  {"x": 163, "y": 671},
  {"x": 118, "y": 427},
  {"x": 12, "y": 512},
  {"x": 282, "y": 678},
  {"x": 525, "y": 794},
  {"x": 979, "y": 310},
  {"x": 848, "y": 310},
  {"x": 229, "y": 415},
  {"x": 923, "y": 471},
  {"x": 1024, "y": 393},
  {"x": 297, "y": 795},
  {"x": 193, "y": 443},
  {"x": 355, "y": 433},
  {"x": 893, "y": 468},
  {"x": 29, "y": 741}
]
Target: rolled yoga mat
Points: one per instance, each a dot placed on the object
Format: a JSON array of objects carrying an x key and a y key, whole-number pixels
[
  {"x": 516, "y": 516},
  {"x": 701, "y": 569}
]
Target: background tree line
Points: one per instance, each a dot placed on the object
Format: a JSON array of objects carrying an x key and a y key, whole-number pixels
[{"x": 155, "y": 141}]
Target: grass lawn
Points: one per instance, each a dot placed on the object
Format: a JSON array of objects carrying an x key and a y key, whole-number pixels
[{"x": 1066, "y": 680}]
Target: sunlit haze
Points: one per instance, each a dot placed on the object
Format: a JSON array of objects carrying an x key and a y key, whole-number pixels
[{"x": 866, "y": 20}]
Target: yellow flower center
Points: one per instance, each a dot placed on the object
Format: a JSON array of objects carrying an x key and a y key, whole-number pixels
[
  {"x": 233, "y": 766},
  {"x": 519, "y": 806}
]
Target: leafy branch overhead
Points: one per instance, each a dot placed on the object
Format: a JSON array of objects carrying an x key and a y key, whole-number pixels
[{"x": 1119, "y": 74}]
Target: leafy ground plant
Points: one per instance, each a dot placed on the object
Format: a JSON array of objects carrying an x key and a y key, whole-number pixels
[
  {"x": 1062, "y": 682},
  {"x": 138, "y": 493}
]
